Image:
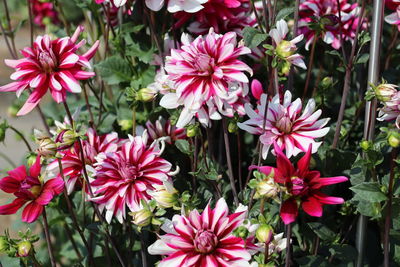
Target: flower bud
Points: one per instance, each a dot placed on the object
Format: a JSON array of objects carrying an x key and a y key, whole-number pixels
[
  {"x": 265, "y": 233},
  {"x": 385, "y": 91},
  {"x": 242, "y": 232},
  {"x": 326, "y": 82},
  {"x": 267, "y": 188},
  {"x": 256, "y": 89},
  {"x": 285, "y": 49},
  {"x": 394, "y": 139},
  {"x": 47, "y": 148},
  {"x": 146, "y": 95},
  {"x": 142, "y": 217},
  {"x": 329, "y": 22},
  {"x": 285, "y": 68},
  {"x": 164, "y": 198},
  {"x": 365, "y": 145},
  {"x": 232, "y": 127},
  {"x": 24, "y": 248},
  {"x": 192, "y": 130},
  {"x": 125, "y": 124},
  {"x": 65, "y": 139}
]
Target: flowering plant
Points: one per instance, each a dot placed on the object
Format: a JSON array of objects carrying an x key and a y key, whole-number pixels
[{"x": 200, "y": 133}]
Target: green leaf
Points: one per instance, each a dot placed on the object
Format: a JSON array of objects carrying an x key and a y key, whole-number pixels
[
  {"x": 253, "y": 37},
  {"x": 322, "y": 231},
  {"x": 283, "y": 13},
  {"x": 183, "y": 146},
  {"x": 362, "y": 59},
  {"x": 369, "y": 191},
  {"x": 114, "y": 70}
]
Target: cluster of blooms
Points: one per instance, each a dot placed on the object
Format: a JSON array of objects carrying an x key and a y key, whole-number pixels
[
  {"x": 208, "y": 77},
  {"x": 43, "y": 12},
  {"x": 320, "y": 19},
  {"x": 393, "y": 18},
  {"x": 50, "y": 65}
]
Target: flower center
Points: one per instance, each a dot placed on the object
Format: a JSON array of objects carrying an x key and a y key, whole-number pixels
[
  {"x": 47, "y": 61},
  {"x": 205, "y": 241},
  {"x": 204, "y": 63},
  {"x": 129, "y": 171},
  {"x": 35, "y": 190},
  {"x": 284, "y": 124},
  {"x": 299, "y": 188}
]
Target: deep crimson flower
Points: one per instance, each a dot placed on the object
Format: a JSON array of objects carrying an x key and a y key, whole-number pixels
[
  {"x": 50, "y": 65},
  {"x": 42, "y": 11},
  {"x": 393, "y": 18},
  {"x": 303, "y": 186},
  {"x": 29, "y": 188},
  {"x": 202, "y": 70},
  {"x": 71, "y": 159},
  {"x": 123, "y": 178},
  {"x": 203, "y": 240}
]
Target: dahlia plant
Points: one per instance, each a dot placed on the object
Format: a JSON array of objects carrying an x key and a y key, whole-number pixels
[{"x": 200, "y": 133}]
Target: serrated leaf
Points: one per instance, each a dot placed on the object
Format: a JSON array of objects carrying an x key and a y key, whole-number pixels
[
  {"x": 253, "y": 37},
  {"x": 114, "y": 70},
  {"x": 369, "y": 191}
]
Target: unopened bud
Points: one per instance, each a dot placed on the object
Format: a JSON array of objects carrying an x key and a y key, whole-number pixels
[
  {"x": 285, "y": 68},
  {"x": 65, "y": 139},
  {"x": 326, "y": 82},
  {"x": 285, "y": 49},
  {"x": 24, "y": 248},
  {"x": 164, "y": 198},
  {"x": 242, "y": 232},
  {"x": 365, "y": 145},
  {"x": 125, "y": 124},
  {"x": 394, "y": 139},
  {"x": 385, "y": 91},
  {"x": 146, "y": 95},
  {"x": 192, "y": 130},
  {"x": 31, "y": 160},
  {"x": 142, "y": 217},
  {"x": 47, "y": 148},
  {"x": 232, "y": 127},
  {"x": 265, "y": 233},
  {"x": 267, "y": 188}
]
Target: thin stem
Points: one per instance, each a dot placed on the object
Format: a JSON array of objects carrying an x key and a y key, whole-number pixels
[
  {"x": 239, "y": 148},
  {"x": 340, "y": 31},
  {"x": 91, "y": 122},
  {"x": 288, "y": 245},
  {"x": 28, "y": 2},
  {"x": 310, "y": 65},
  {"x": 295, "y": 33},
  {"x": 63, "y": 18},
  {"x": 43, "y": 118},
  {"x": 143, "y": 251},
  {"x": 28, "y": 146},
  {"x": 3, "y": 31},
  {"x": 48, "y": 240},
  {"x": 9, "y": 26},
  {"x": 229, "y": 162},
  {"x": 134, "y": 120},
  {"x": 388, "y": 217},
  {"x": 390, "y": 48}
]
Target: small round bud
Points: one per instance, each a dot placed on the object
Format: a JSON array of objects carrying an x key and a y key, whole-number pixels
[
  {"x": 142, "y": 217},
  {"x": 163, "y": 197},
  {"x": 232, "y": 127},
  {"x": 47, "y": 148},
  {"x": 365, "y": 145},
  {"x": 285, "y": 68},
  {"x": 265, "y": 233},
  {"x": 146, "y": 95},
  {"x": 326, "y": 82},
  {"x": 285, "y": 49},
  {"x": 192, "y": 130},
  {"x": 125, "y": 125},
  {"x": 242, "y": 232},
  {"x": 24, "y": 248},
  {"x": 65, "y": 139},
  {"x": 384, "y": 92},
  {"x": 394, "y": 139}
]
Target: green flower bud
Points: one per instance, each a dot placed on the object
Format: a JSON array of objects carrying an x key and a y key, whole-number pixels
[
  {"x": 365, "y": 145},
  {"x": 385, "y": 91},
  {"x": 125, "y": 124},
  {"x": 65, "y": 139},
  {"x": 47, "y": 148},
  {"x": 394, "y": 139},
  {"x": 192, "y": 130},
  {"x": 24, "y": 248},
  {"x": 142, "y": 217},
  {"x": 285, "y": 49},
  {"x": 326, "y": 82},
  {"x": 232, "y": 127},
  {"x": 267, "y": 188},
  {"x": 146, "y": 95},
  {"x": 265, "y": 233},
  {"x": 285, "y": 68},
  {"x": 31, "y": 160},
  {"x": 163, "y": 197},
  {"x": 242, "y": 232}
]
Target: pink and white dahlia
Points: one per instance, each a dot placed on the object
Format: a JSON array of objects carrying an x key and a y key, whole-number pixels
[
  {"x": 163, "y": 129},
  {"x": 50, "y": 65},
  {"x": 189, "y": 6},
  {"x": 29, "y": 188},
  {"x": 286, "y": 125},
  {"x": 202, "y": 70},
  {"x": 286, "y": 49},
  {"x": 123, "y": 178},
  {"x": 203, "y": 239},
  {"x": 71, "y": 159},
  {"x": 117, "y": 3},
  {"x": 324, "y": 15},
  {"x": 391, "y": 110},
  {"x": 393, "y": 18},
  {"x": 43, "y": 11}
]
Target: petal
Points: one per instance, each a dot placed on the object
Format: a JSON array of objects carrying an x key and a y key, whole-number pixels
[
  {"x": 13, "y": 207},
  {"x": 289, "y": 211},
  {"x": 312, "y": 207},
  {"x": 31, "y": 212}
]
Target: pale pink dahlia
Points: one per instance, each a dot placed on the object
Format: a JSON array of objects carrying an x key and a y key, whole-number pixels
[
  {"x": 326, "y": 13},
  {"x": 286, "y": 125},
  {"x": 393, "y": 18},
  {"x": 203, "y": 240},
  {"x": 123, "y": 178},
  {"x": 50, "y": 65},
  {"x": 202, "y": 70},
  {"x": 71, "y": 159},
  {"x": 391, "y": 110}
]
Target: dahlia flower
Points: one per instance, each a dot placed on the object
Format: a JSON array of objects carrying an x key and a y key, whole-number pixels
[
  {"x": 117, "y": 3},
  {"x": 202, "y": 70},
  {"x": 50, "y": 65},
  {"x": 162, "y": 128},
  {"x": 29, "y": 189},
  {"x": 325, "y": 13},
  {"x": 286, "y": 49},
  {"x": 203, "y": 239},
  {"x": 189, "y": 6},
  {"x": 302, "y": 184},
  {"x": 285, "y": 124},
  {"x": 122, "y": 178},
  {"x": 42, "y": 11},
  {"x": 71, "y": 159},
  {"x": 391, "y": 110},
  {"x": 393, "y": 18}
]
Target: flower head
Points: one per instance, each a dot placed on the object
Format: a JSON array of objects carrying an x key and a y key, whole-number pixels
[
  {"x": 286, "y": 49},
  {"x": 303, "y": 186},
  {"x": 29, "y": 188},
  {"x": 203, "y": 239},
  {"x": 43, "y": 11},
  {"x": 117, "y": 3},
  {"x": 393, "y": 18},
  {"x": 123, "y": 178},
  {"x": 52, "y": 65},
  {"x": 162, "y": 128},
  {"x": 285, "y": 124},
  {"x": 204, "y": 70},
  {"x": 391, "y": 110}
]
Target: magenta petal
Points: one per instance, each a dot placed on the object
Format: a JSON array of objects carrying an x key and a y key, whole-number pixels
[
  {"x": 283, "y": 163},
  {"x": 13, "y": 207},
  {"x": 256, "y": 89},
  {"x": 18, "y": 173},
  {"x": 289, "y": 211},
  {"x": 332, "y": 180},
  {"x": 9, "y": 184},
  {"x": 31, "y": 212},
  {"x": 304, "y": 163},
  {"x": 312, "y": 207},
  {"x": 325, "y": 199}
]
